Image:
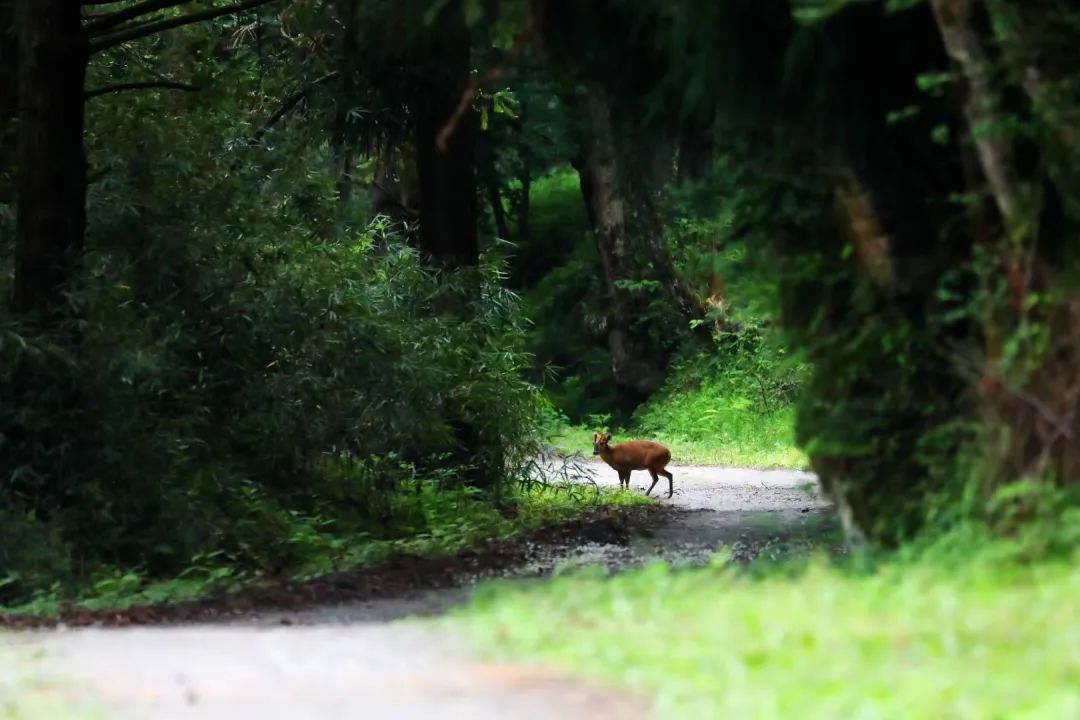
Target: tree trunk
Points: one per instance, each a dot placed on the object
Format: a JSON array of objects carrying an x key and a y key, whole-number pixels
[
  {"x": 633, "y": 363},
  {"x": 1031, "y": 36},
  {"x": 53, "y": 55},
  {"x": 647, "y": 196},
  {"x": 448, "y": 210},
  {"x": 585, "y": 184},
  {"x": 502, "y": 228},
  {"x": 695, "y": 150},
  {"x": 525, "y": 203},
  {"x": 1032, "y": 418},
  {"x": 448, "y": 207},
  {"x": 344, "y": 137},
  {"x": 9, "y": 92},
  {"x": 491, "y": 187},
  {"x": 983, "y": 109}
]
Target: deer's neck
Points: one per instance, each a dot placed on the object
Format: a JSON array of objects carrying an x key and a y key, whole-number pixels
[{"x": 607, "y": 454}]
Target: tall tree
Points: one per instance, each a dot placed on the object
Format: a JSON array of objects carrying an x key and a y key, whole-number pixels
[
  {"x": 55, "y": 45},
  {"x": 1036, "y": 411},
  {"x": 621, "y": 167},
  {"x": 9, "y": 94},
  {"x": 634, "y": 363},
  {"x": 445, "y": 139},
  {"x": 53, "y": 54}
]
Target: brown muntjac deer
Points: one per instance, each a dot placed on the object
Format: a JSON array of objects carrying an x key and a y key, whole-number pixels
[{"x": 632, "y": 455}]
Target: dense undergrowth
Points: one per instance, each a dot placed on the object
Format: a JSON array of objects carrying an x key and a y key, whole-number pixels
[
  {"x": 733, "y": 406},
  {"x": 256, "y": 376},
  {"x": 964, "y": 626},
  {"x": 446, "y": 522},
  {"x": 731, "y": 402},
  {"x": 253, "y": 379},
  {"x": 566, "y": 303}
]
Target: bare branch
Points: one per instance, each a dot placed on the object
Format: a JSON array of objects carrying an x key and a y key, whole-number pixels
[
  {"x": 100, "y": 23},
  {"x": 150, "y": 28},
  {"x": 291, "y": 101},
  {"x": 523, "y": 41},
  {"x": 123, "y": 87}
]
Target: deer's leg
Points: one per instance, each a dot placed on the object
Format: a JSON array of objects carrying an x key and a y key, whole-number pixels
[
  {"x": 654, "y": 479},
  {"x": 670, "y": 482},
  {"x": 624, "y": 480}
]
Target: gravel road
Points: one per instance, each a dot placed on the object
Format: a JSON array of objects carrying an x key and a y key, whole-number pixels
[{"x": 348, "y": 661}]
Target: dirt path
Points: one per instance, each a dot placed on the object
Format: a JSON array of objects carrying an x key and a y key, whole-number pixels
[{"x": 347, "y": 661}]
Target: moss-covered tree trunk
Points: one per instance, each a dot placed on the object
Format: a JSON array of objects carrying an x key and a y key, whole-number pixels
[
  {"x": 1029, "y": 395},
  {"x": 651, "y": 177},
  {"x": 635, "y": 363},
  {"x": 862, "y": 279}
]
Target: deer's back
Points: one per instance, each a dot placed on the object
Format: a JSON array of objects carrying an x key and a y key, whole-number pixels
[{"x": 638, "y": 455}]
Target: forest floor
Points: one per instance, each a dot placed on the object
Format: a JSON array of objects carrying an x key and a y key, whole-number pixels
[{"x": 369, "y": 654}]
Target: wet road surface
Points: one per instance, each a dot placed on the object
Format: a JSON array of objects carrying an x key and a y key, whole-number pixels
[{"x": 350, "y": 661}]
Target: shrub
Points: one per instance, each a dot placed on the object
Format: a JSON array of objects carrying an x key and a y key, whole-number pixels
[{"x": 228, "y": 410}]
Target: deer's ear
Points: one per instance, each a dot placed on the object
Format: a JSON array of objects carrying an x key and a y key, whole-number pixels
[
  {"x": 607, "y": 437},
  {"x": 595, "y": 437}
]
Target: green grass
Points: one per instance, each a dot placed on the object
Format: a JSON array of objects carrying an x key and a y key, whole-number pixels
[
  {"x": 28, "y": 693},
  {"x": 749, "y": 441},
  {"x": 453, "y": 521},
  {"x": 771, "y": 447},
  {"x": 973, "y": 637},
  {"x": 714, "y": 410}
]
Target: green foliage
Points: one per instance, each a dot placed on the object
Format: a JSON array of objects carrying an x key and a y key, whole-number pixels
[
  {"x": 734, "y": 406},
  {"x": 731, "y": 407},
  {"x": 30, "y": 694},
  {"x": 257, "y": 376},
  {"x": 880, "y": 406},
  {"x": 958, "y": 628},
  {"x": 257, "y": 373},
  {"x": 558, "y": 226},
  {"x": 566, "y": 305},
  {"x": 433, "y": 521},
  {"x": 213, "y": 416}
]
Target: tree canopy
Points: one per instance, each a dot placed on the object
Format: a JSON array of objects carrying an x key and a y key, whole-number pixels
[{"x": 268, "y": 262}]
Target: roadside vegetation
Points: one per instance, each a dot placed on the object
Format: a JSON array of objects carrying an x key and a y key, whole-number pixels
[
  {"x": 442, "y": 523},
  {"x": 707, "y": 414},
  {"x": 293, "y": 286},
  {"x": 30, "y": 693},
  {"x": 965, "y": 626}
]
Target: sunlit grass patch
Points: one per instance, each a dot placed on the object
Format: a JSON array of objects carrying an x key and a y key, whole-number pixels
[
  {"x": 28, "y": 692},
  {"x": 752, "y": 442},
  {"x": 910, "y": 640}
]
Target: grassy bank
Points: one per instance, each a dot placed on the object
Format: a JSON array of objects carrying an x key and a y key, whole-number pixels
[
  {"x": 766, "y": 443},
  {"x": 733, "y": 405},
  {"x": 28, "y": 692},
  {"x": 964, "y": 633},
  {"x": 713, "y": 410},
  {"x": 452, "y": 522}
]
